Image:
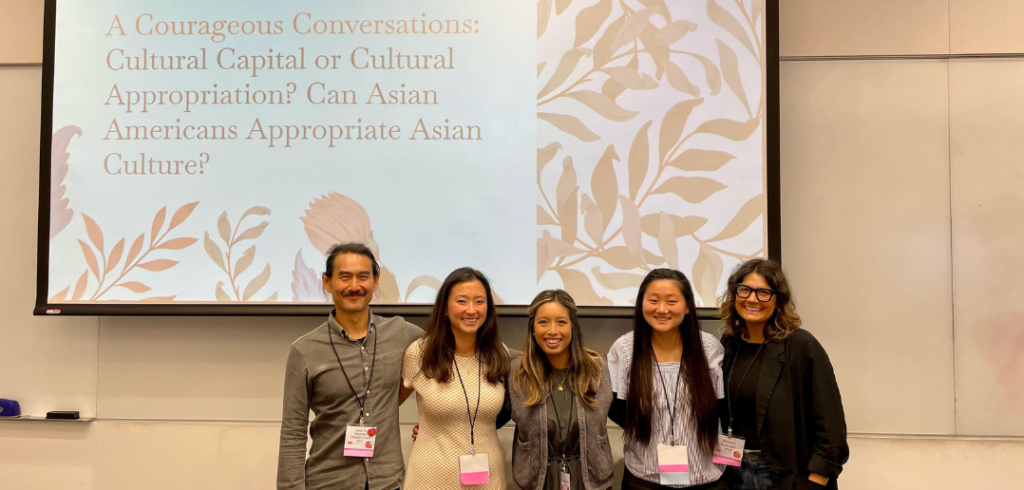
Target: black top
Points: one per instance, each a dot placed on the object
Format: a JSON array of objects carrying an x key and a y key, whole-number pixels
[
  {"x": 800, "y": 421},
  {"x": 563, "y": 437},
  {"x": 743, "y": 397}
]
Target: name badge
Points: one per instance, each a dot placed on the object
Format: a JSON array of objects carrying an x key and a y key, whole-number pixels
[
  {"x": 474, "y": 469},
  {"x": 564, "y": 481},
  {"x": 360, "y": 441},
  {"x": 673, "y": 467},
  {"x": 729, "y": 450}
]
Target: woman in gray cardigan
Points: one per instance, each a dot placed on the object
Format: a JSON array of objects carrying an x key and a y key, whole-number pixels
[{"x": 559, "y": 394}]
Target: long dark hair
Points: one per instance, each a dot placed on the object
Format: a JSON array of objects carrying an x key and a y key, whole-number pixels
[
  {"x": 699, "y": 392},
  {"x": 438, "y": 348},
  {"x": 784, "y": 319},
  {"x": 534, "y": 375}
]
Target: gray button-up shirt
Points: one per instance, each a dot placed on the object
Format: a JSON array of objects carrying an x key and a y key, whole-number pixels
[{"x": 314, "y": 381}]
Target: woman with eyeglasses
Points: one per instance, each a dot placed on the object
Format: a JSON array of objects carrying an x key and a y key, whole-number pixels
[{"x": 784, "y": 424}]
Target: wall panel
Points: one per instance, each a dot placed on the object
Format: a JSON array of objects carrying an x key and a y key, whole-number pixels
[
  {"x": 986, "y": 26},
  {"x": 21, "y": 31},
  {"x": 865, "y": 233},
  {"x": 867, "y": 27},
  {"x": 986, "y": 115}
]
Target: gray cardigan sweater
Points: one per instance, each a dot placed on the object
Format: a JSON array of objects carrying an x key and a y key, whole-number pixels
[{"x": 530, "y": 446}]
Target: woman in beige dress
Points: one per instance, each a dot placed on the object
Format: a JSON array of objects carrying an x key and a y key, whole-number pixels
[{"x": 457, "y": 370}]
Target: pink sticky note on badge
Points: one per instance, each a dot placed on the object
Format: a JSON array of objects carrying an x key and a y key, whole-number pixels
[{"x": 474, "y": 469}]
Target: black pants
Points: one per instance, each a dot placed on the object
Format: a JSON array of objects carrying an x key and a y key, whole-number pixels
[{"x": 631, "y": 482}]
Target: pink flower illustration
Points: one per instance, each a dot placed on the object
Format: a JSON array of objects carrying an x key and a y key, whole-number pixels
[{"x": 335, "y": 218}]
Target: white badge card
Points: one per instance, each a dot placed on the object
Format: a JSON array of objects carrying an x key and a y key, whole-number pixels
[
  {"x": 474, "y": 469},
  {"x": 360, "y": 441},
  {"x": 729, "y": 450},
  {"x": 564, "y": 481},
  {"x": 673, "y": 467}
]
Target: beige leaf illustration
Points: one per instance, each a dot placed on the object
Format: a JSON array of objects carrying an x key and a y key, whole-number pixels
[
  {"x": 616, "y": 280},
  {"x": 543, "y": 16},
  {"x": 224, "y": 227},
  {"x": 136, "y": 248},
  {"x": 570, "y": 125},
  {"x": 653, "y": 259},
  {"x": 540, "y": 68},
  {"x": 707, "y": 271},
  {"x": 631, "y": 227},
  {"x": 722, "y": 17},
  {"x": 272, "y": 298},
  {"x": 626, "y": 76},
  {"x": 744, "y": 217},
  {"x": 133, "y": 286},
  {"x": 603, "y": 46},
  {"x": 667, "y": 240},
  {"x": 80, "y": 286},
  {"x": 677, "y": 79},
  {"x": 213, "y": 251},
  {"x": 590, "y": 20},
  {"x": 544, "y": 259},
  {"x": 561, "y": 5},
  {"x": 659, "y": 7},
  {"x": 544, "y": 155},
  {"x": 682, "y": 226},
  {"x": 619, "y": 258},
  {"x": 256, "y": 283},
  {"x": 631, "y": 30},
  {"x": 158, "y": 223},
  {"x": 334, "y": 218},
  {"x": 672, "y": 125},
  {"x": 543, "y": 218},
  {"x": 569, "y": 216},
  {"x": 605, "y": 186},
  {"x": 251, "y": 233},
  {"x": 691, "y": 189},
  {"x": 387, "y": 288},
  {"x": 423, "y": 281},
  {"x": 565, "y": 200},
  {"x": 734, "y": 130},
  {"x": 182, "y": 214},
  {"x": 558, "y": 248},
  {"x": 59, "y": 297},
  {"x": 255, "y": 211},
  {"x": 673, "y": 32},
  {"x": 756, "y": 10},
  {"x": 94, "y": 232},
  {"x": 593, "y": 222},
  {"x": 714, "y": 77},
  {"x": 158, "y": 265},
  {"x": 639, "y": 159},
  {"x": 60, "y": 214},
  {"x": 159, "y": 299},
  {"x": 219, "y": 291},
  {"x": 731, "y": 73},
  {"x": 701, "y": 160},
  {"x": 602, "y": 105},
  {"x": 612, "y": 89},
  {"x": 90, "y": 259},
  {"x": 175, "y": 243},
  {"x": 577, "y": 284},
  {"x": 115, "y": 256},
  {"x": 244, "y": 261},
  {"x": 649, "y": 82},
  {"x": 565, "y": 68}
]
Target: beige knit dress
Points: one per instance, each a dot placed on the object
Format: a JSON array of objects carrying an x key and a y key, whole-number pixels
[{"x": 444, "y": 425}]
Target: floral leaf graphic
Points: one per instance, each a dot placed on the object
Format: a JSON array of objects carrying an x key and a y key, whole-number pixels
[
  {"x": 734, "y": 130},
  {"x": 334, "y": 218},
  {"x": 90, "y": 259},
  {"x": 540, "y": 68},
  {"x": 224, "y": 227},
  {"x": 60, "y": 213},
  {"x": 711, "y": 73},
  {"x": 616, "y": 280},
  {"x": 677, "y": 79},
  {"x": 723, "y": 18},
  {"x": 605, "y": 186},
  {"x": 565, "y": 199},
  {"x": 544, "y": 259},
  {"x": 220, "y": 294},
  {"x": 558, "y": 248},
  {"x": 667, "y": 240},
  {"x": 620, "y": 258},
  {"x": 731, "y": 73},
  {"x": 158, "y": 224},
  {"x": 628, "y": 77},
  {"x": 603, "y": 46},
  {"x": 159, "y": 299},
  {"x": 175, "y": 243},
  {"x": 135, "y": 249},
  {"x": 707, "y": 271},
  {"x": 691, "y": 189},
  {"x": 561, "y": 5},
  {"x": 682, "y": 226},
  {"x": 701, "y": 160},
  {"x": 59, "y": 297},
  {"x": 80, "y": 286},
  {"x": 244, "y": 261},
  {"x": 744, "y": 217},
  {"x": 213, "y": 251},
  {"x": 570, "y": 125},
  {"x": 566, "y": 65},
  {"x": 639, "y": 160},
  {"x": 631, "y": 227},
  {"x": 631, "y": 30},
  {"x": 182, "y": 214},
  {"x": 258, "y": 282},
  {"x": 256, "y": 211},
  {"x": 602, "y": 105},
  {"x": 158, "y": 265},
  {"x": 115, "y": 256},
  {"x": 589, "y": 21},
  {"x": 543, "y": 15},
  {"x": 306, "y": 284},
  {"x": 659, "y": 7},
  {"x": 387, "y": 288},
  {"x": 544, "y": 155},
  {"x": 543, "y": 218},
  {"x": 577, "y": 284},
  {"x": 673, "y": 32},
  {"x": 593, "y": 222},
  {"x": 133, "y": 286},
  {"x": 94, "y": 232},
  {"x": 251, "y": 233},
  {"x": 672, "y": 125},
  {"x": 422, "y": 281}
]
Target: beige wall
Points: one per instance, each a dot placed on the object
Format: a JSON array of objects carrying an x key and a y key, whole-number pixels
[{"x": 902, "y": 184}]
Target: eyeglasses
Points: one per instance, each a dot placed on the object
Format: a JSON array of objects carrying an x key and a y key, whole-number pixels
[{"x": 761, "y": 294}]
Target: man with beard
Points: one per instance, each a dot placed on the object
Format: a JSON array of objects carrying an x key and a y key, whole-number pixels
[{"x": 348, "y": 372}]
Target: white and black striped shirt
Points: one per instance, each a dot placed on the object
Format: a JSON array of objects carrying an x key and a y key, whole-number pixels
[{"x": 642, "y": 461}]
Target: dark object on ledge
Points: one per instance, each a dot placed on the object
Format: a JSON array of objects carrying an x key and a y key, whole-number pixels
[
  {"x": 62, "y": 415},
  {"x": 9, "y": 408}
]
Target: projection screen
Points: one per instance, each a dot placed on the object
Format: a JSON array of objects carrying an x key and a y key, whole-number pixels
[{"x": 200, "y": 157}]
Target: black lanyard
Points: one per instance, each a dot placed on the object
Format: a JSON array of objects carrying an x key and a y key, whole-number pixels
[
  {"x": 558, "y": 420},
  {"x": 472, "y": 417},
  {"x": 373, "y": 361},
  {"x": 736, "y": 357},
  {"x": 675, "y": 397}
]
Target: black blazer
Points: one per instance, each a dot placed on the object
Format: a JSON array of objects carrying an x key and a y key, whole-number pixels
[{"x": 800, "y": 420}]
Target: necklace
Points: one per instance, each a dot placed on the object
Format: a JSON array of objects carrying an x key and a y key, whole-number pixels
[{"x": 563, "y": 380}]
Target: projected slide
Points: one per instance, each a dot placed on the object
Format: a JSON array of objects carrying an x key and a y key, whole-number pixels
[{"x": 211, "y": 152}]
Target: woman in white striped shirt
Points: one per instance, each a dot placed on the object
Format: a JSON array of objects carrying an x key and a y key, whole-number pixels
[{"x": 666, "y": 376}]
